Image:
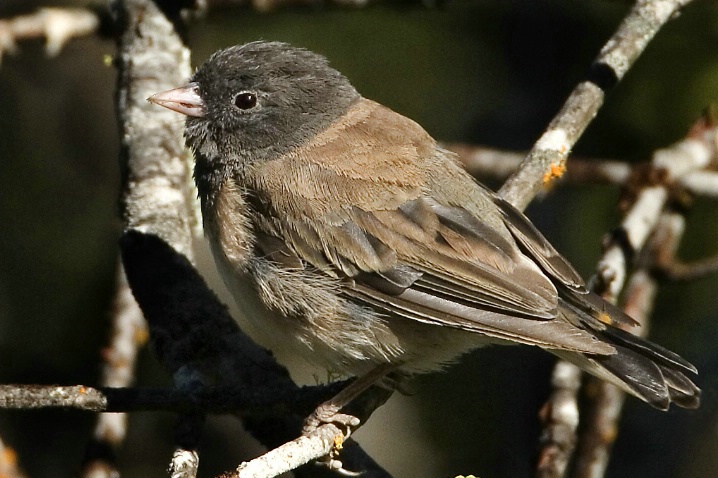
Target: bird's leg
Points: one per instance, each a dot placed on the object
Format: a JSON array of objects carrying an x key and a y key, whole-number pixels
[{"x": 328, "y": 412}]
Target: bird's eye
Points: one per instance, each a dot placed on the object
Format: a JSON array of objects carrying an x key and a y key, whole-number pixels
[{"x": 245, "y": 100}]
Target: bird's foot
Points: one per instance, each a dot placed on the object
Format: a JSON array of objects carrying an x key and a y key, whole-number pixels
[{"x": 328, "y": 413}]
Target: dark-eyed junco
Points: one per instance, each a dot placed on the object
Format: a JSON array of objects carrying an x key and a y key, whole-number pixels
[{"x": 346, "y": 234}]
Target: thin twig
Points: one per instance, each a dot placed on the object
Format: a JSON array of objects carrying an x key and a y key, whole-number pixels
[
  {"x": 56, "y": 25},
  {"x": 695, "y": 152},
  {"x": 701, "y": 183},
  {"x": 293, "y": 454},
  {"x": 28, "y": 397},
  {"x": 684, "y": 271},
  {"x": 486, "y": 162},
  {"x": 668, "y": 266},
  {"x": 548, "y": 156},
  {"x": 272, "y": 5},
  {"x": 129, "y": 331},
  {"x": 500, "y": 164},
  {"x": 218, "y": 399},
  {"x": 641, "y": 290},
  {"x": 560, "y": 419}
]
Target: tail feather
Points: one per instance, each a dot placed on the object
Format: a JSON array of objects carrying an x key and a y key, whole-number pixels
[
  {"x": 640, "y": 376},
  {"x": 684, "y": 393},
  {"x": 643, "y": 377},
  {"x": 643, "y": 369},
  {"x": 655, "y": 351}
]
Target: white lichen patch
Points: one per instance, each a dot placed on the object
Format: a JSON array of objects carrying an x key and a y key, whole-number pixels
[{"x": 554, "y": 140}]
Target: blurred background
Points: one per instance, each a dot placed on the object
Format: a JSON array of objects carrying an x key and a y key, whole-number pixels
[{"x": 489, "y": 72}]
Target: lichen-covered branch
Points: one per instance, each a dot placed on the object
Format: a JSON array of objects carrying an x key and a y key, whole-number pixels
[
  {"x": 602, "y": 424},
  {"x": 607, "y": 400},
  {"x": 193, "y": 334},
  {"x": 500, "y": 164},
  {"x": 551, "y": 150},
  {"x": 649, "y": 192},
  {"x": 560, "y": 417},
  {"x": 185, "y": 464},
  {"x": 157, "y": 168},
  {"x": 648, "y": 199},
  {"x": 28, "y": 397},
  {"x": 129, "y": 331},
  {"x": 291, "y": 455},
  {"x": 156, "y": 195}
]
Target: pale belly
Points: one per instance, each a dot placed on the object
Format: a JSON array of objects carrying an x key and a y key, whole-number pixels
[{"x": 297, "y": 314}]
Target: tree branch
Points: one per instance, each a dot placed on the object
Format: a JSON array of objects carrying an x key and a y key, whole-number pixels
[
  {"x": 129, "y": 331},
  {"x": 185, "y": 464},
  {"x": 560, "y": 418},
  {"x": 157, "y": 196},
  {"x": 193, "y": 334},
  {"x": 266, "y": 6},
  {"x": 56, "y": 25},
  {"x": 548, "y": 156},
  {"x": 500, "y": 164},
  {"x": 599, "y": 435},
  {"x": 214, "y": 399},
  {"x": 486, "y": 162},
  {"x": 648, "y": 199}
]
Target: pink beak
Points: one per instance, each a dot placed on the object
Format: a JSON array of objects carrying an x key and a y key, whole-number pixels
[{"x": 185, "y": 100}]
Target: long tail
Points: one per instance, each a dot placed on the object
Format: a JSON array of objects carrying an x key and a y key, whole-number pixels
[{"x": 641, "y": 368}]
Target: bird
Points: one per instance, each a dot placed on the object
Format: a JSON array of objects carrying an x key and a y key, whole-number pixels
[{"x": 348, "y": 235}]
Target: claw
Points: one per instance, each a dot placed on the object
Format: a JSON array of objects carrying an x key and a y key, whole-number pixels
[{"x": 336, "y": 465}]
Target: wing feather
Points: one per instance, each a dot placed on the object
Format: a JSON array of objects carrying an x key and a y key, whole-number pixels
[{"x": 367, "y": 207}]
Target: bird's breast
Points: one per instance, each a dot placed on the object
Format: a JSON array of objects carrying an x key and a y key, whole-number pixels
[{"x": 228, "y": 227}]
